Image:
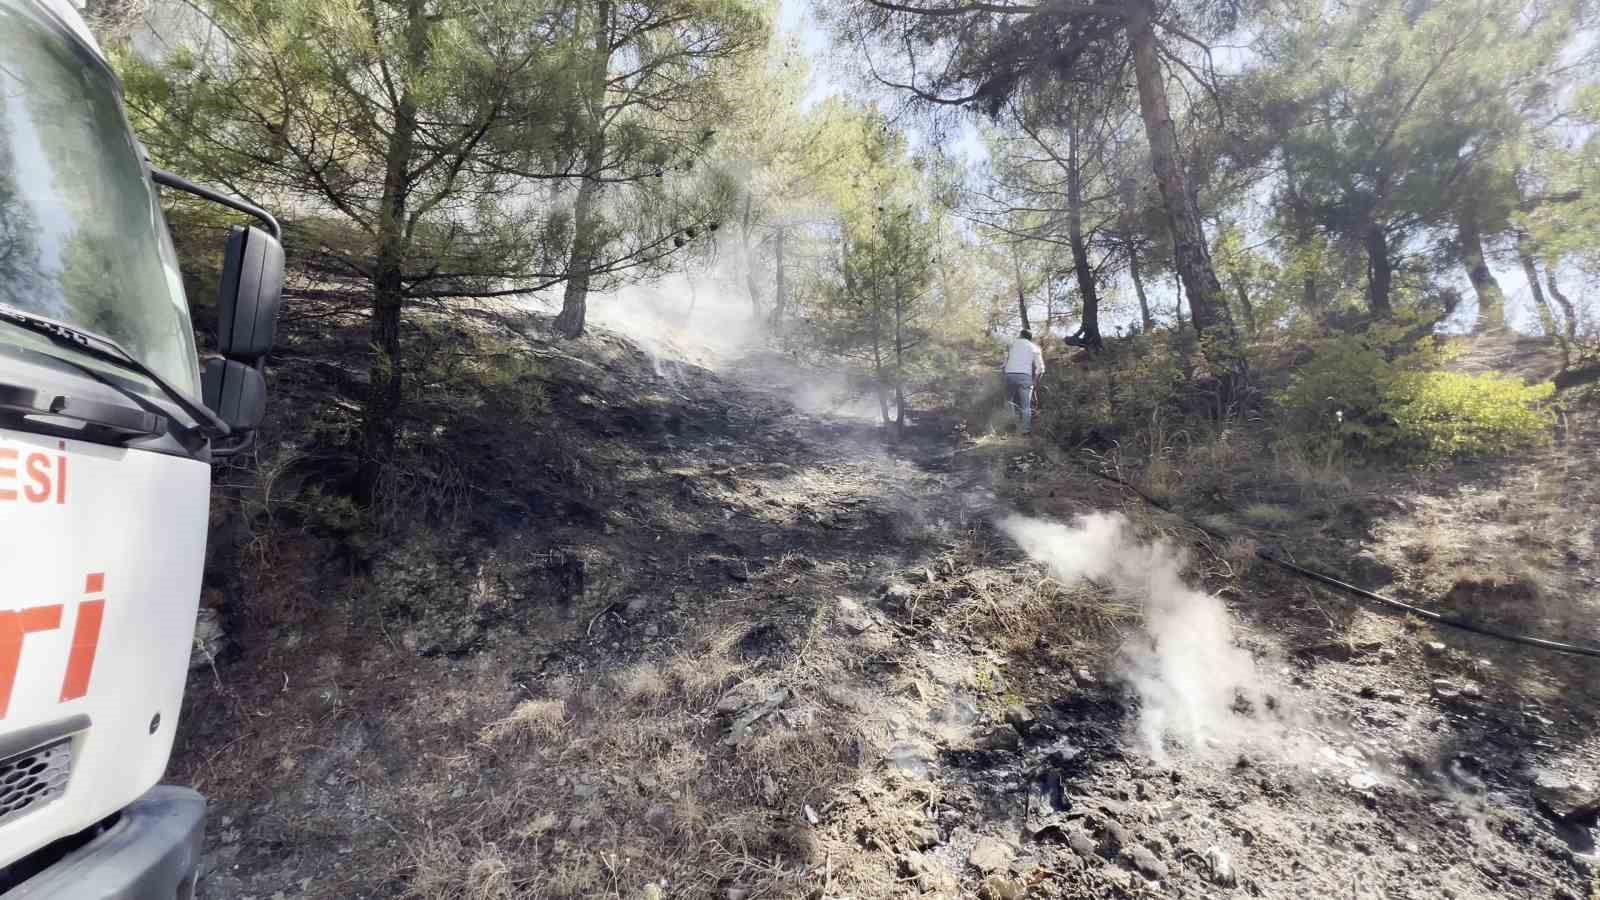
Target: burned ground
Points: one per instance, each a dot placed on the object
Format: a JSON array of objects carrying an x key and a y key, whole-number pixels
[{"x": 634, "y": 628}]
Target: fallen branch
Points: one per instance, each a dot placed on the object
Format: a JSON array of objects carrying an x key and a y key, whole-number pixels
[{"x": 589, "y": 632}]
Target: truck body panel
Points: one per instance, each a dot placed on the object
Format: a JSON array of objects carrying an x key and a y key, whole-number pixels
[
  {"x": 106, "y": 440},
  {"x": 102, "y": 547}
]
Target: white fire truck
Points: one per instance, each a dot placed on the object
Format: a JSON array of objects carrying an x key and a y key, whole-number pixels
[{"x": 108, "y": 428}]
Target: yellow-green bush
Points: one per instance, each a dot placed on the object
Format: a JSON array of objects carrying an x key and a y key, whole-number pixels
[
  {"x": 1447, "y": 414},
  {"x": 1355, "y": 397}
]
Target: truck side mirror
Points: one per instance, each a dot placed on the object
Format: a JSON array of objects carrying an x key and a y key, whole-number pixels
[
  {"x": 249, "y": 296},
  {"x": 235, "y": 392}
]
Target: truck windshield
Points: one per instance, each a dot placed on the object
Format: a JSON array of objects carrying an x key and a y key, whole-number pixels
[{"x": 82, "y": 237}]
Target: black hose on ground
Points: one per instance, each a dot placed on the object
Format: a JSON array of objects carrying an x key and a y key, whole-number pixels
[{"x": 1427, "y": 615}]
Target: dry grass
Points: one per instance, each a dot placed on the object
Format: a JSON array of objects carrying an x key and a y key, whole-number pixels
[
  {"x": 532, "y": 720},
  {"x": 1023, "y": 609},
  {"x": 489, "y": 877},
  {"x": 1268, "y": 515},
  {"x": 574, "y": 874},
  {"x": 662, "y": 800},
  {"x": 641, "y": 683},
  {"x": 1159, "y": 480},
  {"x": 442, "y": 867},
  {"x": 1239, "y": 554},
  {"x": 1430, "y": 543},
  {"x": 539, "y": 826},
  {"x": 1316, "y": 478},
  {"x": 1505, "y": 593},
  {"x": 701, "y": 678},
  {"x": 1211, "y": 465},
  {"x": 795, "y": 766}
]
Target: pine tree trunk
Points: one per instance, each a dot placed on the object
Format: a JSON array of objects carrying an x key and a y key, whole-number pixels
[
  {"x": 877, "y": 358},
  {"x": 1129, "y": 225},
  {"x": 1022, "y": 297},
  {"x": 574, "y": 313},
  {"x": 1380, "y": 271},
  {"x": 385, "y": 390},
  {"x": 1089, "y": 328},
  {"x": 1177, "y": 301},
  {"x": 780, "y": 299},
  {"x": 880, "y": 383},
  {"x": 899, "y": 364},
  {"x": 1206, "y": 305},
  {"x": 1145, "y": 319},
  {"x": 1304, "y": 230},
  {"x": 750, "y": 263},
  {"x": 1541, "y": 302},
  {"x": 585, "y": 215},
  {"x": 580, "y": 263},
  {"x": 1245, "y": 305},
  {"x": 899, "y": 408},
  {"x": 1568, "y": 310},
  {"x": 1491, "y": 300}
]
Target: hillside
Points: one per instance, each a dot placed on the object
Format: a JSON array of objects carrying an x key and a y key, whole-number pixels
[{"x": 633, "y": 627}]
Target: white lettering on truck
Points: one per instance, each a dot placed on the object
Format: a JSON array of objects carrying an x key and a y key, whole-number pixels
[
  {"x": 38, "y": 478},
  {"x": 34, "y": 477}
]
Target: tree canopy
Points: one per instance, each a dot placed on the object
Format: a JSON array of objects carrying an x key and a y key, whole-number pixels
[{"x": 1231, "y": 173}]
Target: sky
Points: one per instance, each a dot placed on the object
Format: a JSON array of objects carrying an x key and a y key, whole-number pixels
[
  {"x": 834, "y": 72},
  {"x": 795, "y": 21}
]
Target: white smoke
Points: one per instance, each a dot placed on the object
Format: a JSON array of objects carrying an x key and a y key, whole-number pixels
[
  {"x": 1197, "y": 687},
  {"x": 696, "y": 316},
  {"x": 702, "y": 316}
]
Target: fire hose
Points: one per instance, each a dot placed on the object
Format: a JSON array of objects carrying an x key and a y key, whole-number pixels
[{"x": 1430, "y": 616}]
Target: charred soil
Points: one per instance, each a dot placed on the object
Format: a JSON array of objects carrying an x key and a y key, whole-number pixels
[{"x": 633, "y": 628}]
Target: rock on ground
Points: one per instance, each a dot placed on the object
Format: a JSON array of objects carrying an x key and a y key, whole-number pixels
[
  {"x": 1148, "y": 864},
  {"x": 1567, "y": 801},
  {"x": 931, "y": 875},
  {"x": 209, "y": 639},
  {"x": 990, "y": 854},
  {"x": 998, "y": 888}
]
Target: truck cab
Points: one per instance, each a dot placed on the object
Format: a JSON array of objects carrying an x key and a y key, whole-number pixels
[{"x": 109, "y": 426}]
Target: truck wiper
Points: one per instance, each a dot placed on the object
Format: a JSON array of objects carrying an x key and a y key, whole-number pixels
[{"x": 110, "y": 351}]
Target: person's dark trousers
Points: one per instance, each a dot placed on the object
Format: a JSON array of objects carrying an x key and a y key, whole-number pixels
[{"x": 1019, "y": 396}]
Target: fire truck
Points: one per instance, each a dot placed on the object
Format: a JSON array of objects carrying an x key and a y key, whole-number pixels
[{"x": 109, "y": 426}]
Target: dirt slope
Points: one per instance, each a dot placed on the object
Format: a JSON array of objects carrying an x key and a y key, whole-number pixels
[{"x": 690, "y": 642}]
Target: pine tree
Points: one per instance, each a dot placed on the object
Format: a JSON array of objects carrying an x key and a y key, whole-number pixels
[
  {"x": 418, "y": 141},
  {"x": 650, "y": 84},
  {"x": 979, "y": 55}
]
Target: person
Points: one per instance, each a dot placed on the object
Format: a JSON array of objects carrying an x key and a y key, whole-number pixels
[{"x": 1024, "y": 366}]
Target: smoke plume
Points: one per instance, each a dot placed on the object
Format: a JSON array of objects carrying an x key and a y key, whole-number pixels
[{"x": 1197, "y": 687}]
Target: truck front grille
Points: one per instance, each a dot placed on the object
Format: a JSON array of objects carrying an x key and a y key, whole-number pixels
[{"x": 30, "y": 780}]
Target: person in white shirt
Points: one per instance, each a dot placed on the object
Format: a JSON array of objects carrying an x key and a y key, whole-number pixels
[{"x": 1023, "y": 369}]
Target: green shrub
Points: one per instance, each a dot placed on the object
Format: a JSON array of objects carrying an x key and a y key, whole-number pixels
[
  {"x": 1148, "y": 384},
  {"x": 1450, "y": 414},
  {"x": 1118, "y": 394},
  {"x": 1357, "y": 396},
  {"x": 1334, "y": 401}
]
